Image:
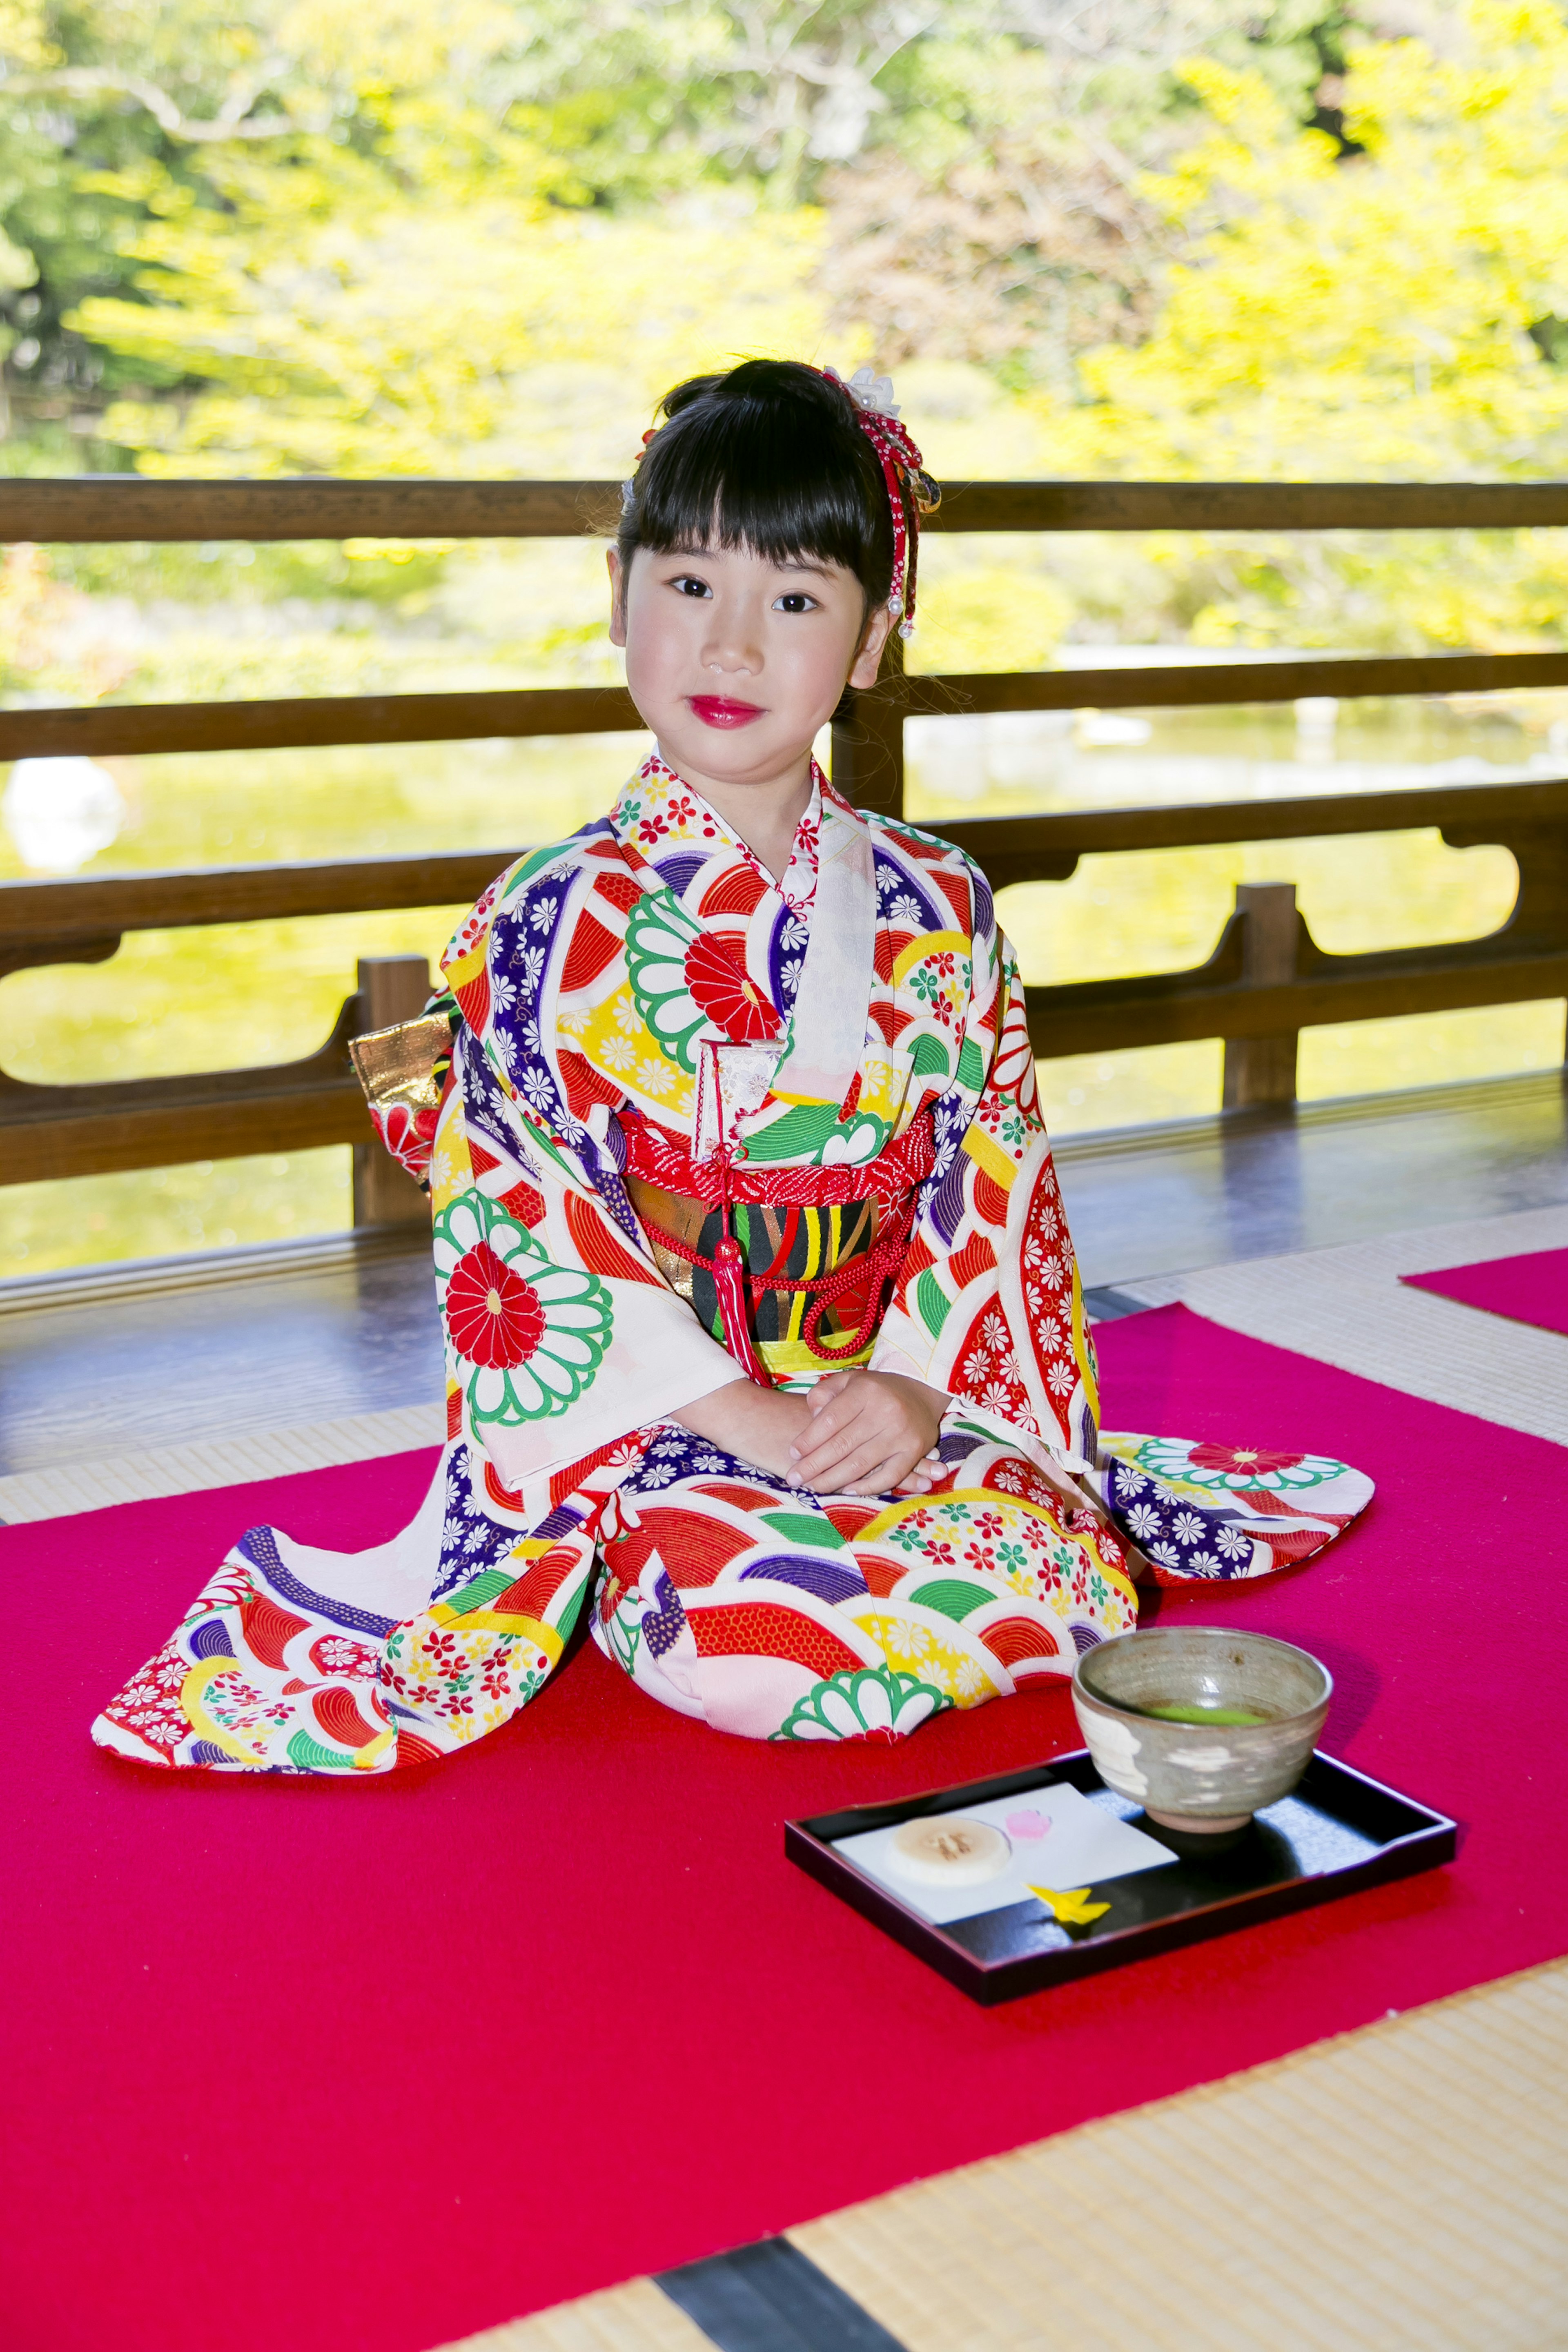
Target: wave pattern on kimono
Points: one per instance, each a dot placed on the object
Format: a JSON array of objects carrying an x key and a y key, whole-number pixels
[{"x": 653, "y": 1044}]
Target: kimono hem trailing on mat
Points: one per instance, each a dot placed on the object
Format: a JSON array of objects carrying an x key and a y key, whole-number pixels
[{"x": 650, "y": 1050}]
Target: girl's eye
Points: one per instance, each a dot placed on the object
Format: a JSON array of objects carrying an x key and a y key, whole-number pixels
[
  {"x": 686, "y": 584},
  {"x": 797, "y": 601}
]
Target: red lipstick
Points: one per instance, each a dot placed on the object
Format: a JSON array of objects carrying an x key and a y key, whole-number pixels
[{"x": 720, "y": 710}]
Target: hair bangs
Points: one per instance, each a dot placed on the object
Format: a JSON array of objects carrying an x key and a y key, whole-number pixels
[{"x": 768, "y": 459}]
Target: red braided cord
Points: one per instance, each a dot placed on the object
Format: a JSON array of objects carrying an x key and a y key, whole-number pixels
[
  {"x": 876, "y": 1268},
  {"x": 910, "y": 493},
  {"x": 660, "y": 1158}
]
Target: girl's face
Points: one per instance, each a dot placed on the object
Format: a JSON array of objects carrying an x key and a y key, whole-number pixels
[{"x": 736, "y": 662}]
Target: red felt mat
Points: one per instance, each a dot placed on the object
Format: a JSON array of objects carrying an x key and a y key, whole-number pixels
[
  {"x": 299, "y": 2064},
  {"x": 1529, "y": 1289}
]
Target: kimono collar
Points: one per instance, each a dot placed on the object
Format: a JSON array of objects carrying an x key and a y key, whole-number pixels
[
  {"x": 659, "y": 811},
  {"x": 831, "y": 884},
  {"x": 827, "y": 1032}
]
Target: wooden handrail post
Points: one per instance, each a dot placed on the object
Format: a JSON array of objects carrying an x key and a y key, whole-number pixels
[
  {"x": 1263, "y": 1069},
  {"x": 390, "y": 989},
  {"x": 869, "y": 738}
]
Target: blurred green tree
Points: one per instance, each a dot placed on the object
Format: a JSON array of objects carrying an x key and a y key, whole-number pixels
[
  {"x": 1388, "y": 308},
  {"x": 980, "y": 164}
]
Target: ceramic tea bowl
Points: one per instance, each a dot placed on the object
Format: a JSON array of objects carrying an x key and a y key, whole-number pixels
[{"x": 1198, "y": 1724}]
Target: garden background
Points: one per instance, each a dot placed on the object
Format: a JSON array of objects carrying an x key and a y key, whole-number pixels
[{"x": 479, "y": 238}]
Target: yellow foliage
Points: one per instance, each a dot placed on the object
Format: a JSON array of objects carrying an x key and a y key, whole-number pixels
[
  {"x": 25, "y": 38},
  {"x": 398, "y": 45},
  {"x": 1366, "y": 317},
  {"x": 406, "y": 338},
  {"x": 988, "y": 615}
]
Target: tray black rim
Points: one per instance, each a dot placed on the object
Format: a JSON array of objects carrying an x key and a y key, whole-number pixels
[{"x": 1430, "y": 1840}]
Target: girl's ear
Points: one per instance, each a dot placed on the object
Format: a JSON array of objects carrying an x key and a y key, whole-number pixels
[
  {"x": 869, "y": 660},
  {"x": 617, "y": 597}
]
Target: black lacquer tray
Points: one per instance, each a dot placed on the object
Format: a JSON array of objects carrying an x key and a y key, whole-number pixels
[{"x": 1338, "y": 1833}]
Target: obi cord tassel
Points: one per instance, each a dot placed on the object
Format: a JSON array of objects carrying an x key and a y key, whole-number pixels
[{"x": 729, "y": 1281}]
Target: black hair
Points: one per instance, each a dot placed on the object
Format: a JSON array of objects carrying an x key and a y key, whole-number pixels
[{"x": 768, "y": 458}]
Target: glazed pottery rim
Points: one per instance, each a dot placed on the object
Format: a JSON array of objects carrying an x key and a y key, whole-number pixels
[{"x": 1090, "y": 1696}]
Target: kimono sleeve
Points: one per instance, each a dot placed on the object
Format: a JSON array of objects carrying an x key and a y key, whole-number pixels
[
  {"x": 988, "y": 1304},
  {"x": 562, "y": 1336}
]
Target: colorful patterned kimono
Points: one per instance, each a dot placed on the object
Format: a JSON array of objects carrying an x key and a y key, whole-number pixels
[{"x": 694, "y": 1124}]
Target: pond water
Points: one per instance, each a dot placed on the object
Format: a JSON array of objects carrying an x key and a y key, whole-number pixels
[{"x": 175, "y": 1001}]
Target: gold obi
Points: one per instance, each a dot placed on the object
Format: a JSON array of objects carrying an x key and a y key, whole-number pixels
[{"x": 792, "y": 1244}]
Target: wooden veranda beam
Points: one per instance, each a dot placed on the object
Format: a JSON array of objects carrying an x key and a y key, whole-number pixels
[
  {"x": 1009, "y": 849},
  {"x": 1179, "y": 685},
  {"x": 310, "y": 722},
  {"x": 101, "y": 508}
]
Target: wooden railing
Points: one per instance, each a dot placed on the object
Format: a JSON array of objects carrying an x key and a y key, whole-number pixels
[{"x": 1265, "y": 980}]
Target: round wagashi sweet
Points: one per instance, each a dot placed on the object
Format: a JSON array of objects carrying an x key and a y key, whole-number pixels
[{"x": 950, "y": 1851}]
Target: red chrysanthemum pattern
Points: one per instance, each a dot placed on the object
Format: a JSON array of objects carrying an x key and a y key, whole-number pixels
[
  {"x": 494, "y": 1315},
  {"x": 1241, "y": 1458},
  {"x": 721, "y": 992}
]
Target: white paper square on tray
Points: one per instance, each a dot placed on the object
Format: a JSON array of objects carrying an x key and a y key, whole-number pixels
[{"x": 1080, "y": 1844}]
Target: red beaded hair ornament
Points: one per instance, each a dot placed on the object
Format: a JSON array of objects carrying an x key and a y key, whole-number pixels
[{"x": 910, "y": 490}]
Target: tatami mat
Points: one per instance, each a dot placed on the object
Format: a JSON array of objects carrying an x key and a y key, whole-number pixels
[
  {"x": 632, "y": 2318},
  {"x": 216, "y": 1461},
  {"x": 1402, "y": 2187},
  {"x": 1348, "y": 1307}
]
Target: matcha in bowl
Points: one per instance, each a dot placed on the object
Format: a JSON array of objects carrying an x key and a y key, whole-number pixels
[{"x": 1200, "y": 1725}]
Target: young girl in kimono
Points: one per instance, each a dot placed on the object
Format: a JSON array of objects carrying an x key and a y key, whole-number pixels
[{"x": 764, "y": 1338}]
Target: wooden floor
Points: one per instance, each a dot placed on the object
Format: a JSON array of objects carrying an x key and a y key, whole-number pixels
[
  {"x": 1249, "y": 1184},
  {"x": 114, "y": 1360}
]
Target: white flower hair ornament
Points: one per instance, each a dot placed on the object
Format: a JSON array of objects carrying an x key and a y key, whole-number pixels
[
  {"x": 910, "y": 490},
  {"x": 872, "y": 392}
]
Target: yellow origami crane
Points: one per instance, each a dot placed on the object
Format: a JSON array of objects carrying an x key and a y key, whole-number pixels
[{"x": 1072, "y": 1909}]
